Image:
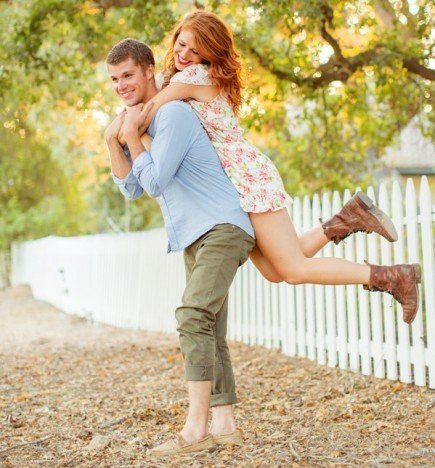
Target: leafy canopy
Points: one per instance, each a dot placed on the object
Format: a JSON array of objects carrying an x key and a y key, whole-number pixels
[{"x": 329, "y": 85}]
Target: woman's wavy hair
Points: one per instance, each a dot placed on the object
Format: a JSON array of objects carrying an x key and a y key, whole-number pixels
[{"x": 215, "y": 44}]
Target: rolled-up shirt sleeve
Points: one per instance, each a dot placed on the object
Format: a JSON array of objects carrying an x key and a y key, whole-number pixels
[{"x": 129, "y": 186}]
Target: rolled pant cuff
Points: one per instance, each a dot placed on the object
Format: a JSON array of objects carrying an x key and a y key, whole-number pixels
[
  {"x": 223, "y": 399},
  {"x": 199, "y": 373}
]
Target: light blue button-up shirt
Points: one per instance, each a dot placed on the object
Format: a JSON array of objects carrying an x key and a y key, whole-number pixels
[{"x": 184, "y": 173}]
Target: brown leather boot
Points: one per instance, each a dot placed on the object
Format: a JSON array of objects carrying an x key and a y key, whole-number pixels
[
  {"x": 401, "y": 281},
  {"x": 359, "y": 214}
]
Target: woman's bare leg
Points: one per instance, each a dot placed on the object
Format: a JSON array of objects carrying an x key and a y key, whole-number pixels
[
  {"x": 264, "y": 266},
  {"x": 279, "y": 244},
  {"x": 310, "y": 243}
]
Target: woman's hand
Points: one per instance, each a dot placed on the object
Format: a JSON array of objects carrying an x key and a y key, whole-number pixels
[{"x": 143, "y": 127}]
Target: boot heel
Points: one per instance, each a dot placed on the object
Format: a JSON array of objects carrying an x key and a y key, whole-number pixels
[
  {"x": 365, "y": 199},
  {"x": 417, "y": 272}
]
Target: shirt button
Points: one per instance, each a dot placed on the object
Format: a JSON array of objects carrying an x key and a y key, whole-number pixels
[{"x": 166, "y": 217}]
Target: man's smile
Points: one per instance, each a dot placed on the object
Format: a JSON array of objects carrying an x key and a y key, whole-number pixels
[{"x": 126, "y": 94}]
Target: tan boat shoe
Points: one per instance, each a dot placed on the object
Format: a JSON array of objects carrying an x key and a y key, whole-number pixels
[
  {"x": 177, "y": 445},
  {"x": 235, "y": 438}
]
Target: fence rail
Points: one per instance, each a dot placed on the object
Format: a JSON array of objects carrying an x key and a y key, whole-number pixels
[{"x": 127, "y": 280}]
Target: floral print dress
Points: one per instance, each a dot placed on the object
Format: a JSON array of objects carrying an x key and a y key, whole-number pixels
[{"x": 253, "y": 174}]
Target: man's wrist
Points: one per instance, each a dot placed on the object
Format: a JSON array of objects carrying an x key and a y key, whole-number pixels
[
  {"x": 112, "y": 139},
  {"x": 134, "y": 144},
  {"x": 131, "y": 134}
]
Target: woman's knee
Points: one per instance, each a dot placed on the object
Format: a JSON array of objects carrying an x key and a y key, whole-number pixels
[
  {"x": 295, "y": 274},
  {"x": 272, "y": 277}
]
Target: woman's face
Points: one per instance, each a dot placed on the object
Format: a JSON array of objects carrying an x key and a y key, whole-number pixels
[{"x": 185, "y": 51}]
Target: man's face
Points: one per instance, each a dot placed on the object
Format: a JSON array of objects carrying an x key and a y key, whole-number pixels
[{"x": 130, "y": 82}]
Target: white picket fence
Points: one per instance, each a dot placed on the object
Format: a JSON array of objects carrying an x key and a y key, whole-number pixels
[{"x": 127, "y": 280}]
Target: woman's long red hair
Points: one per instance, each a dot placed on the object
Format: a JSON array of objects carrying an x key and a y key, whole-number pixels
[{"x": 214, "y": 43}]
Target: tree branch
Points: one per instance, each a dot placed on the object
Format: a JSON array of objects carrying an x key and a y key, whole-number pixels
[
  {"x": 387, "y": 16},
  {"x": 266, "y": 63},
  {"x": 107, "y": 4},
  {"x": 328, "y": 15},
  {"x": 385, "y": 13},
  {"x": 332, "y": 42},
  {"x": 413, "y": 66},
  {"x": 336, "y": 71}
]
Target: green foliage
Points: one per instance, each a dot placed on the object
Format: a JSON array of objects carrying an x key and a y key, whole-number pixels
[
  {"x": 36, "y": 198},
  {"x": 342, "y": 126},
  {"x": 328, "y": 89}
]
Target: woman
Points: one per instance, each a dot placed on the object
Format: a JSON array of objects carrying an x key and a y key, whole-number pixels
[{"x": 203, "y": 67}]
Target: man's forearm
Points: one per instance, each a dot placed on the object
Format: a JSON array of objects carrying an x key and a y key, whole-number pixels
[
  {"x": 134, "y": 144},
  {"x": 121, "y": 166}
]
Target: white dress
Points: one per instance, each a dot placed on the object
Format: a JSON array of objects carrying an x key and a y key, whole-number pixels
[{"x": 253, "y": 174}]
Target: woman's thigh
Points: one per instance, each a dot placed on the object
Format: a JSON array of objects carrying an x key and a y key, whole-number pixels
[{"x": 277, "y": 240}]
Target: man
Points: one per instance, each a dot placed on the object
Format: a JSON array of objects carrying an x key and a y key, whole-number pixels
[{"x": 203, "y": 217}]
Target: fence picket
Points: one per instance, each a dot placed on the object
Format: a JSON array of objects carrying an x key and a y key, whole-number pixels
[
  {"x": 388, "y": 301},
  {"x": 365, "y": 348},
  {"x": 351, "y": 300},
  {"x": 427, "y": 241},
  {"x": 300, "y": 298},
  {"x": 260, "y": 309},
  {"x": 404, "y": 347},
  {"x": 245, "y": 306},
  {"x": 340, "y": 297},
  {"x": 252, "y": 308},
  {"x": 331, "y": 332},
  {"x": 417, "y": 350},
  {"x": 319, "y": 291},
  {"x": 309, "y": 289},
  {"x": 376, "y": 308}
]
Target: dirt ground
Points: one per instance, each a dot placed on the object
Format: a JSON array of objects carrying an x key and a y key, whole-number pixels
[{"x": 75, "y": 393}]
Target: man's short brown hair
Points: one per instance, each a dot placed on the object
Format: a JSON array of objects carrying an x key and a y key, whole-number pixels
[{"x": 130, "y": 48}]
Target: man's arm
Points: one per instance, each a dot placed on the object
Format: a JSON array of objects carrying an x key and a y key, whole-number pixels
[
  {"x": 175, "y": 126},
  {"x": 120, "y": 164}
]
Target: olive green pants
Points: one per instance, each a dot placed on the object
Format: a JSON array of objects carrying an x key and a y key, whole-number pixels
[{"x": 211, "y": 263}]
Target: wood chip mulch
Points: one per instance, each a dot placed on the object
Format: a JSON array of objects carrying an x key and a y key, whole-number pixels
[{"x": 75, "y": 393}]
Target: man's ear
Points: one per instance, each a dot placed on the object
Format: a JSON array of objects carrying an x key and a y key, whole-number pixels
[{"x": 149, "y": 72}]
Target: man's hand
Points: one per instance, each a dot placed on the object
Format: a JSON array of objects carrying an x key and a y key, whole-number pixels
[
  {"x": 132, "y": 120},
  {"x": 136, "y": 117},
  {"x": 112, "y": 131}
]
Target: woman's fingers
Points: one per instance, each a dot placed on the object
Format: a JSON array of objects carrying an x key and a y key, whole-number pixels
[{"x": 146, "y": 108}]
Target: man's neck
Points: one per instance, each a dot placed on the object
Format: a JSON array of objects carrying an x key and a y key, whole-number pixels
[{"x": 150, "y": 94}]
